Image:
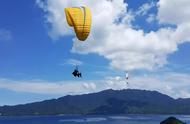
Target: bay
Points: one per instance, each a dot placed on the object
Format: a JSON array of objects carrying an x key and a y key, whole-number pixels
[{"x": 91, "y": 119}]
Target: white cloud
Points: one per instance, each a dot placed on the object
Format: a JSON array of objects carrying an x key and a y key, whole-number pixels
[
  {"x": 143, "y": 10},
  {"x": 151, "y": 18},
  {"x": 175, "y": 12},
  {"x": 89, "y": 86},
  {"x": 116, "y": 83},
  {"x": 173, "y": 84},
  {"x": 45, "y": 87},
  {"x": 5, "y": 35},
  {"x": 73, "y": 62},
  {"x": 185, "y": 94},
  {"x": 125, "y": 47}
]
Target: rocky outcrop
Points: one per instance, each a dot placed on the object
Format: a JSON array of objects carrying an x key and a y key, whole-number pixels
[{"x": 172, "y": 120}]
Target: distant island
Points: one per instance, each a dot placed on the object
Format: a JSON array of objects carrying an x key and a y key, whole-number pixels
[
  {"x": 128, "y": 101},
  {"x": 172, "y": 120}
]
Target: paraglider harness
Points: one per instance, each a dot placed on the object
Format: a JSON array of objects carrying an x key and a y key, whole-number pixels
[
  {"x": 76, "y": 73},
  {"x": 127, "y": 78}
]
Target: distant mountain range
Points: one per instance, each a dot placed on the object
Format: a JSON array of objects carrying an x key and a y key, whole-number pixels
[{"x": 128, "y": 101}]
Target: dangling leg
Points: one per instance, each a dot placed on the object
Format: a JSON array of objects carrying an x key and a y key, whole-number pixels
[
  {"x": 74, "y": 73},
  {"x": 80, "y": 75}
]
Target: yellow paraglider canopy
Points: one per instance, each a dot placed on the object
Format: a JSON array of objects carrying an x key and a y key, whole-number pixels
[{"x": 80, "y": 18}]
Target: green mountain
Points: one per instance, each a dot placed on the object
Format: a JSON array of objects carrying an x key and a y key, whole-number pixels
[{"x": 128, "y": 101}]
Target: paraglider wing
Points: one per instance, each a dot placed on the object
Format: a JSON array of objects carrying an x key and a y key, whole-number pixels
[{"x": 80, "y": 18}]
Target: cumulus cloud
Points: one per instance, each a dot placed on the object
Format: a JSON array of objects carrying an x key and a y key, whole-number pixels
[
  {"x": 116, "y": 39},
  {"x": 173, "y": 84},
  {"x": 5, "y": 35},
  {"x": 175, "y": 12}
]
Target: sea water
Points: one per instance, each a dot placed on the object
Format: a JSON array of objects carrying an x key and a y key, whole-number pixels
[{"x": 98, "y": 119}]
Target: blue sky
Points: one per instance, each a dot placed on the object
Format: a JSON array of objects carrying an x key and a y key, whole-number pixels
[{"x": 33, "y": 51}]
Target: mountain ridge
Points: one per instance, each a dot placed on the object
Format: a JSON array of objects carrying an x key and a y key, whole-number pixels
[{"x": 126, "y": 101}]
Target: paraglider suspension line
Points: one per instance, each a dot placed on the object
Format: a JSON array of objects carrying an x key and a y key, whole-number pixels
[{"x": 84, "y": 20}]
